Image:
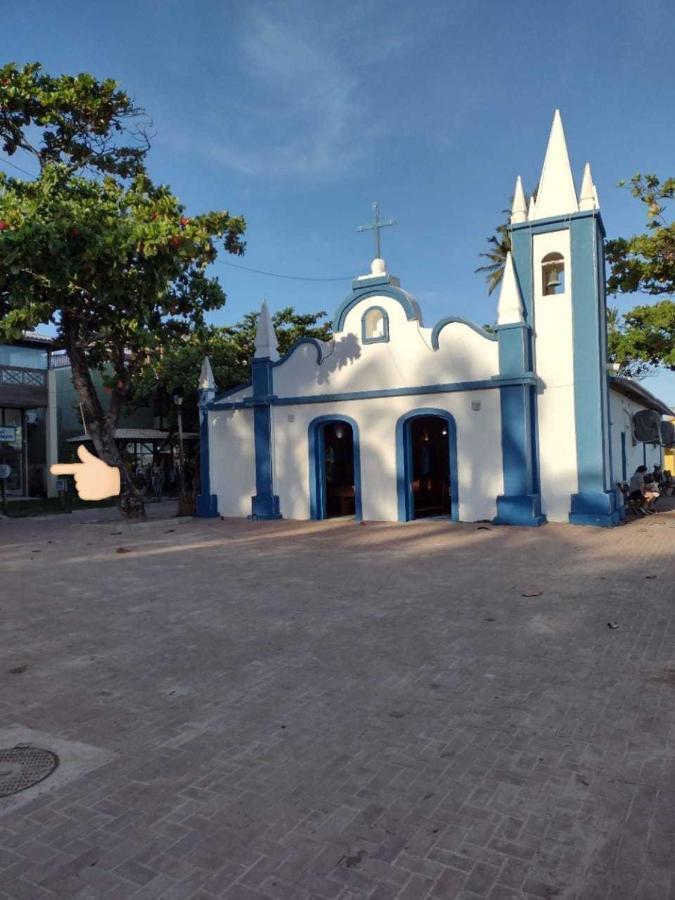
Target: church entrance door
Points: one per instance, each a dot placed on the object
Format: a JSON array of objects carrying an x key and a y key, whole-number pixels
[
  {"x": 337, "y": 456},
  {"x": 429, "y": 470}
]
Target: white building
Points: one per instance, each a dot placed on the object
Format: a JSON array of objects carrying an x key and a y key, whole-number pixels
[{"x": 394, "y": 420}]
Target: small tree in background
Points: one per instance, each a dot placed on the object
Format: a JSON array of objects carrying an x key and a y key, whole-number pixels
[
  {"x": 92, "y": 246},
  {"x": 230, "y": 349},
  {"x": 644, "y": 337}
]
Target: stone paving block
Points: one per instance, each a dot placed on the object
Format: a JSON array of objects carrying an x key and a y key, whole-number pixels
[{"x": 527, "y": 754}]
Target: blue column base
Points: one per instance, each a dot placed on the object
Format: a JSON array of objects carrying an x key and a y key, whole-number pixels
[
  {"x": 524, "y": 509},
  {"x": 207, "y": 506},
  {"x": 600, "y": 508},
  {"x": 265, "y": 507}
]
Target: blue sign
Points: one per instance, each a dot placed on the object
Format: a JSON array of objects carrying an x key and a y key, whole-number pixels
[{"x": 7, "y": 433}]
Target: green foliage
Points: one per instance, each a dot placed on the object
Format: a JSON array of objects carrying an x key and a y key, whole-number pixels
[
  {"x": 92, "y": 245},
  {"x": 500, "y": 245},
  {"x": 644, "y": 338},
  {"x": 118, "y": 269},
  {"x": 646, "y": 262},
  {"x": 74, "y": 120},
  {"x": 230, "y": 350}
]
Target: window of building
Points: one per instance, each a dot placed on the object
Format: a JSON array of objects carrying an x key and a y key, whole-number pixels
[
  {"x": 375, "y": 324},
  {"x": 553, "y": 274}
]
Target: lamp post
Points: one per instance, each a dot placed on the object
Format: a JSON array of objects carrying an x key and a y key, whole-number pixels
[{"x": 178, "y": 400}]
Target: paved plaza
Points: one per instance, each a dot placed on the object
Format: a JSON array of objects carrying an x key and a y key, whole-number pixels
[{"x": 296, "y": 710}]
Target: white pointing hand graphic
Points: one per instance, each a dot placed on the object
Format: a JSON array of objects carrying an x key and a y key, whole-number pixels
[{"x": 94, "y": 479}]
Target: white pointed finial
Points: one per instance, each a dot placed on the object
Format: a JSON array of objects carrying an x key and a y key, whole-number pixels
[
  {"x": 206, "y": 380},
  {"x": 556, "y": 194},
  {"x": 587, "y": 195},
  {"x": 266, "y": 346},
  {"x": 530, "y": 209},
  {"x": 510, "y": 304},
  {"x": 518, "y": 209}
]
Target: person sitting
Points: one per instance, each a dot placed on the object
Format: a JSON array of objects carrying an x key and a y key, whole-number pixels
[
  {"x": 637, "y": 490},
  {"x": 650, "y": 492}
]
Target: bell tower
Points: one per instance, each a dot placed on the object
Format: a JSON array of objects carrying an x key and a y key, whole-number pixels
[{"x": 558, "y": 256}]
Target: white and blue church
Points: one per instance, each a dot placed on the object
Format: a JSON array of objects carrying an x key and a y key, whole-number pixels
[{"x": 395, "y": 420}]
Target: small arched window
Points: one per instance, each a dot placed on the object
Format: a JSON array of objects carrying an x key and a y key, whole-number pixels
[
  {"x": 375, "y": 326},
  {"x": 553, "y": 274}
]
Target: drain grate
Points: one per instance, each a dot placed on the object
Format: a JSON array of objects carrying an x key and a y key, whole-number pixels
[{"x": 23, "y": 766}]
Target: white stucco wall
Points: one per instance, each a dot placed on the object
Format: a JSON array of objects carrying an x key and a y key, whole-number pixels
[
  {"x": 405, "y": 360},
  {"x": 479, "y": 455},
  {"x": 348, "y": 366},
  {"x": 622, "y": 410},
  {"x": 554, "y": 360},
  {"x": 232, "y": 460}
]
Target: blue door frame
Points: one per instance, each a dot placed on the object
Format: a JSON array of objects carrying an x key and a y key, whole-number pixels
[
  {"x": 404, "y": 462},
  {"x": 317, "y": 464}
]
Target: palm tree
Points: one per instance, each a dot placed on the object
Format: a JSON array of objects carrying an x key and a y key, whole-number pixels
[{"x": 500, "y": 246}]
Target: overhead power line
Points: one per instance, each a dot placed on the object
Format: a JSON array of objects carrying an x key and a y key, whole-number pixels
[
  {"x": 224, "y": 262},
  {"x": 279, "y": 275},
  {"x": 8, "y": 162}
]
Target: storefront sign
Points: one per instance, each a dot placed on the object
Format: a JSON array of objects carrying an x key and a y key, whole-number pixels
[{"x": 7, "y": 433}]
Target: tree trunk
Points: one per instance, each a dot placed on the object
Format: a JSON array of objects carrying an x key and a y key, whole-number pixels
[{"x": 101, "y": 430}]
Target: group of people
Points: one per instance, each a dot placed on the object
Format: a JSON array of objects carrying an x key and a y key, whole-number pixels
[{"x": 646, "y": 487}]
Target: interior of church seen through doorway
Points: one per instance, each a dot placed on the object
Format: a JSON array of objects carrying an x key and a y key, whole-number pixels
[
  {"x": 430, "y": 446},
  {"x": 338, "y": 469}
]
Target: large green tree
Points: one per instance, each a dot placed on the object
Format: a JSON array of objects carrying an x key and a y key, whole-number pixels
[
  {"x": 643, "y": 339},
  {"x": 92, "y": 246}
]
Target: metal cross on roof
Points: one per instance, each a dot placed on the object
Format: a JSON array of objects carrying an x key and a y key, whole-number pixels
[{"x": 376, "y": 227}]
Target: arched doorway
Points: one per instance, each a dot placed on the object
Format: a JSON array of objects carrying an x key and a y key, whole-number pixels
[
  {"x": 335, "y": 470},
  {"x": 427, "y": 465}
]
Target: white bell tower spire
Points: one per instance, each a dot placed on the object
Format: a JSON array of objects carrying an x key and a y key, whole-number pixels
[
  {"x": 266, "y": 346},
  {"x": 519, "y": 209},
  {"x": 556, "y": 195}
]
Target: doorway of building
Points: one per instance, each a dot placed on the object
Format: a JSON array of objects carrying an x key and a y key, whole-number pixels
[
  {"x": 429, "y": 467},
  {"x": 337, "y": 458}
]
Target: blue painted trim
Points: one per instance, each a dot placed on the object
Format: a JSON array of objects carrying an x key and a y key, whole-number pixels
[
  {"x": 521, "y": 252},
  {"x": 515, "y": 350},
  {"x": 450, "y": 388},
  {"x": 383, "y": 288},
  {"x": 624, "y": 462},
  {"x": 520, "y": 504},
  {"x": 404, "y": 462},
  {"x": 590, "y": 374},
  {"x": 384, "y": 337},
  {"x": 207, "y": 503},
  {"x": 557, "y": 223},
  {"x": 229, "y": 392},
  {"x": 317, "y": 493},
  {"x": 265, "y": 503},
  {"x": 291, "y": 350},
  {"x": 449, "y": 320},
  {"x": 599, "y": 508}
]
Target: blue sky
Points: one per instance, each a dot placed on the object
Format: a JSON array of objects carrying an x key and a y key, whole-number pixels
[{"x": 299, "y": 114}]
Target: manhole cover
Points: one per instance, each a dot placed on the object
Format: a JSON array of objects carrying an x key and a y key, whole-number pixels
[{"x": 23, "y": 766}]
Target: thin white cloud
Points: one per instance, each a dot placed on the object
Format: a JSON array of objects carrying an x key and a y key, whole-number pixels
[{"x": 301, "y": 104}]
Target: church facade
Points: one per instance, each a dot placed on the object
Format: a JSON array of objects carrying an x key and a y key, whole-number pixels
[{"x": 396, "y": 420}]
